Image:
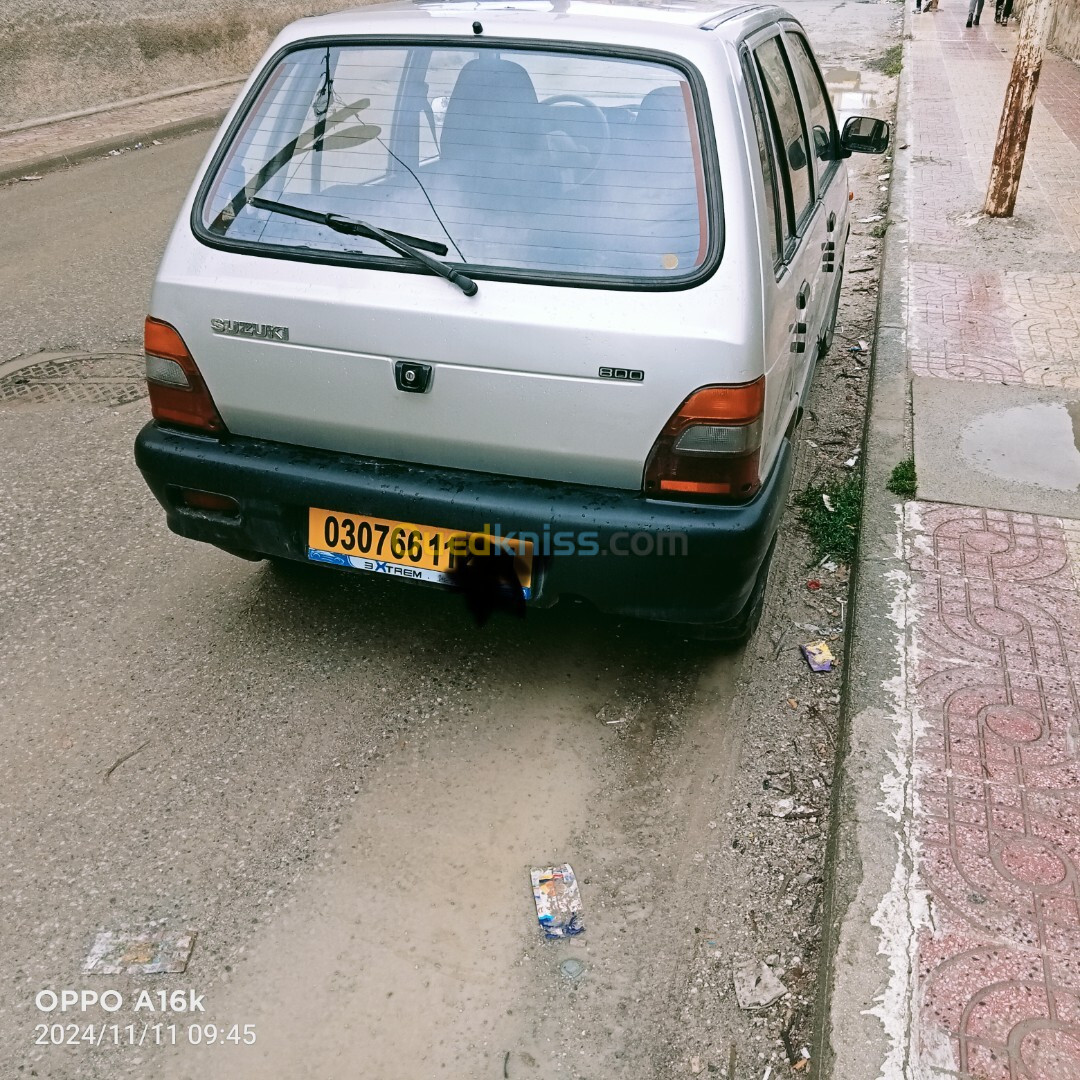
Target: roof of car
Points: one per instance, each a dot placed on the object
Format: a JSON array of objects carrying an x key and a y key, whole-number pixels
[{"x": 603, "y": 20}]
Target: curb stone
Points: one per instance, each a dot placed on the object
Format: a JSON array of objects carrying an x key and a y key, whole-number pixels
[
  {"x": 81, "y": 152},
  {"x": 113, "y": 106},
  {"x": 866, "y": 854}
]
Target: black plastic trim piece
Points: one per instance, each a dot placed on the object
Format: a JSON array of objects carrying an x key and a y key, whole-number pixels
[{"x": 275, "y": 484}]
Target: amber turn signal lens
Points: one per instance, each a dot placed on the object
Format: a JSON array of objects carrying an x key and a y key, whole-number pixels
[
  {"x": 178, "y": 394},
  {"x": 161, "y": 339}
]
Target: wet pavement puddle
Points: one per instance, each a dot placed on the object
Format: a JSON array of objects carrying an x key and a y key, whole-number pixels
[
  {"x": 1028, "y": 444},
  {"x": 848, "y": 92},
  {"x": 1005, "y": 447}
]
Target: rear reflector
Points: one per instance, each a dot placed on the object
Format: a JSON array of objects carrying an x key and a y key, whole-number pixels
[
  {"x": 207, "y": 500},
  {"x": 711, "y": 446},
  {"x": 178, "y": 394}
]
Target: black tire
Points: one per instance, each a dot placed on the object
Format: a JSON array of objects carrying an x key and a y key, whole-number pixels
[
  {"x": 737, "y": 632},
  {"x": 291, "y": 569},
  {"x": 242, "y": 553},
  {"x": 826, "y": 339}
]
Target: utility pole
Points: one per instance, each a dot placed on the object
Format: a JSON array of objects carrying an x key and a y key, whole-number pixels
[{"x": 1019, "y": 104}]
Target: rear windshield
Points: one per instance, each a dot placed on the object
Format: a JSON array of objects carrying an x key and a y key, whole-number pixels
[{"x": 522, "y": 161}]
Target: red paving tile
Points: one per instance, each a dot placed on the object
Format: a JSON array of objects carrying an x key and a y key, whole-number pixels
[
  {"x": 996, "y": 658},
  {"x": 1058, "y": 91},
  {"x": 982, "y": 544},
  {"x": 996, "y": 638},
  {"x": 972, "y": 316}
]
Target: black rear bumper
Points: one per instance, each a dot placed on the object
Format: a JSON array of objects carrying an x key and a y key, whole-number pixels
[{"x": 667, "y": 561}]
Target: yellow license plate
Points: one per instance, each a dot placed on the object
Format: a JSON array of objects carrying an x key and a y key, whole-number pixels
[{"x": 403, "y": 549}]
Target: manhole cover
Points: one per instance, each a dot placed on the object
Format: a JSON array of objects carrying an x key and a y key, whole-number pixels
[{"x": 110, "y": 379}]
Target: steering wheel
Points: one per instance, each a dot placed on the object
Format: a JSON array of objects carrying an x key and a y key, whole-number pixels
[{"x": 592, "y": 149}]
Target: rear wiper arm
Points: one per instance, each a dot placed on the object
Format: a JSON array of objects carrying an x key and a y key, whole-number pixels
[
  {"x": 349, "y": 226},
  {"x": 411, "y": 247}
]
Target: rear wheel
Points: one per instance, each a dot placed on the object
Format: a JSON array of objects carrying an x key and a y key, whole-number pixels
[
  {"x": 738, "y": 631},
  {"x": 242, "y": 553},
  {"x": 826, "y": 339},
  {"x": 293, "y": 569}
]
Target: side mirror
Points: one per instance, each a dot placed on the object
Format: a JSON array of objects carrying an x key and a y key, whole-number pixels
[{"x": 864, "y": 135}]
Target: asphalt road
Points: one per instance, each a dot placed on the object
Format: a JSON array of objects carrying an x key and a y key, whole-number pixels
[
  {"x": 340, "y": 786},
  {"x": 81, "y": 246},
  {"x": 339, "y": 783}
]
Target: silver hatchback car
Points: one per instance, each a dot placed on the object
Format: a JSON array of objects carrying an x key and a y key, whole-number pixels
[{"x": 540, "y": 282}]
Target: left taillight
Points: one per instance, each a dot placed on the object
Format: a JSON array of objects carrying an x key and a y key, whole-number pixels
[
  {"x": 178, "y": 394},
  {"x": 711, "y": 447}
]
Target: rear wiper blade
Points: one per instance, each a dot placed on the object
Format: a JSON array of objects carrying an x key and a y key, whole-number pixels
[
  {"x": 347, "y": 225},
  {"x": 411, "y": 247}
]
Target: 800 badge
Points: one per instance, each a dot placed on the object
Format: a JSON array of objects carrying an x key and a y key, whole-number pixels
[{"x": 622, "y": 374}]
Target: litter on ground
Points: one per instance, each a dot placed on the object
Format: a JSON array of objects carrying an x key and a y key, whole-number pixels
[
  {"x": 756, "y": 987},
  {"x": 572, "y": 968},
  {"x": 558, "y": 901},
  {"x": 818, "y": 655},
  {"x": 151, "y": 950}
]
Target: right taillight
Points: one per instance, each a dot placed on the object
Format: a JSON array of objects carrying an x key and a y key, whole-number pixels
[
  {"x": 711, "y": 446},
  {"x": 178, "y": 394}
]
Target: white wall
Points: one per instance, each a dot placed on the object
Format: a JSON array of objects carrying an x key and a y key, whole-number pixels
[
  {"x": 1066, "y": 34},
  {"x": 1065, "y": 30},
  {"x": 60, "y": 55}
]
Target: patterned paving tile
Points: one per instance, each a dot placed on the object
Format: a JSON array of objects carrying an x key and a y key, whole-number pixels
[
  {"x": 1044, "y": 314},
  {"x": 959, "y": 325},
  {"x": 995, "y": 326},
  {"x": 983, "y": 544},
  {"x": 1003, "y": 322},
  {"x": 996, "y": 660}
]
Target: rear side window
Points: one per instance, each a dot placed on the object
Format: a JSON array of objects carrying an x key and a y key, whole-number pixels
[
  {"x": 514, "y": 160},
  {"x": 768, "y": 174},
  {"x": 782, "y": 103},
  {"x": 819, "y": 117}
]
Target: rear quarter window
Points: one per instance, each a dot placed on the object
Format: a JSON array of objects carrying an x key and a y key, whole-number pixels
[
  {"x": 819, "y": 116},
  {"x": 783, "y": 105}
]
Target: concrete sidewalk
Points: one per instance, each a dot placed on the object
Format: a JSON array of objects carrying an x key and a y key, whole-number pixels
[
  {"x": 31, "y": 149},
  {"x": 957, "y": 891}
]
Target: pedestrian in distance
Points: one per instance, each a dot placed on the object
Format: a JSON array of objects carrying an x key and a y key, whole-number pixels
[
  {"x": 1002, "y": 11},
  {"x": 974, "y": 9}
]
